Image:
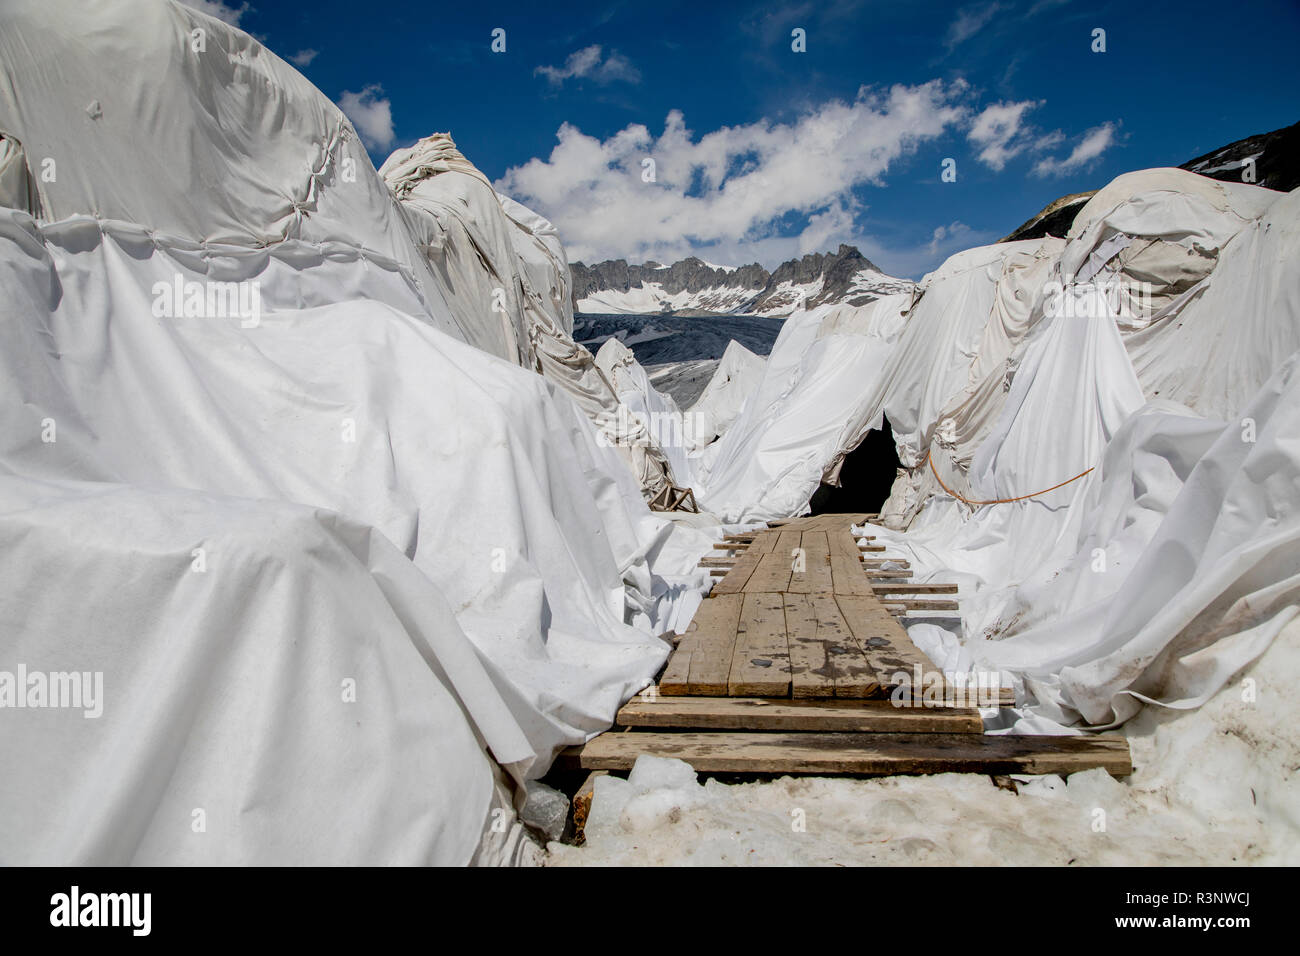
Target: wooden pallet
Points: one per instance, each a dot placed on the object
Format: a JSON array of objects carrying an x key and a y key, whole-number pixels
[{"x": 796, "y": 664}]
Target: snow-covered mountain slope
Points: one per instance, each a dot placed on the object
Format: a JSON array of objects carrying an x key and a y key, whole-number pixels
[{"x": 694, "y": 286}]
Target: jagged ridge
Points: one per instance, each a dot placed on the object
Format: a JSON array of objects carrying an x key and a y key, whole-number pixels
[{"x": 693, "y": 285}]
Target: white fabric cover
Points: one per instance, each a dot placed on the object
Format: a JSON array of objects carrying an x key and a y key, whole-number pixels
[
  {"x": 507, "y": 281},
  {"x": 738, "y": 373},
  {"x": 1172, "y": 564},
  {"x": 367, "y": 496}
]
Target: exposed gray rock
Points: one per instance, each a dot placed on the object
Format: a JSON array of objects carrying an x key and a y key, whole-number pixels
[
  {"x": 1277, "y": 166},
  {"x": 545, "y": 809},
  {"x": 1277, "y": 159},
  {"x": 746, "y": 289}
]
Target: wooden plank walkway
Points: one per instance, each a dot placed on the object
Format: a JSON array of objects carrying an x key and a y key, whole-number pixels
[
  {"x": 810, "y": 622},
  {"x": 796, "y": 663}
]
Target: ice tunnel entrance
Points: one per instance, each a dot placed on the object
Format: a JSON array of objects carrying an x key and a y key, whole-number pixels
[{"x": 866, "y": 476}]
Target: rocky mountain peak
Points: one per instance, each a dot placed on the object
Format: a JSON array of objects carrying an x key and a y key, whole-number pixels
[{"x": 812, "y": 279}]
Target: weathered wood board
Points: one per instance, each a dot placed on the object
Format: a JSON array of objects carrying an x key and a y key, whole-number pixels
[
  {"x": 762, "y": 714},
  {"x": 745, "y": 564},
  {"x": 858, "y": 753},
  {"x": 760, "y": 666}
]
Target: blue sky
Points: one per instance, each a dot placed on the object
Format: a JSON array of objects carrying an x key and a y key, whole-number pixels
[{"x": 762, "y": 152}]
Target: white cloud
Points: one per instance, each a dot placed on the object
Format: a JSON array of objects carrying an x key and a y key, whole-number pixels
[
  {"x": 371, "y": 115},
  {"x": 914, "y": 259},
  {"x": 1043, "y": 5},
  {"x": 1001, "y": 133},
  {"x": 945, "y": 236},
  {"x": 222, "y": 11},
  {"x": 304, "y": 57},
  {"x": 760, "y": 191},
  {"x": 1048, "y": 141},
  {"x": 1094, "y": 142},
  {"x": 968, "y": 22},
  {"x": 588, "y": 64}
]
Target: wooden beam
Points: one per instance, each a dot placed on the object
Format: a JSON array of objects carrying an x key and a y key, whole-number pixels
[
  {"x": 881, "y": 588},
  {"x": 859, "y": 754},
  {"x": 774, "y": 568},
  {"x": 846, "y": 569},
  {"x": 760, "y": 666},
  {"x": 884, "y": 643},
  {"x": 880, "y": 562},
  {"x": 710, "y": 636},
  {"x": 716, "y": 623},
  {"x": 816, "y": 573},
  {"x": 918, "y": 604},
  {"x": 854, "y": 675},
  {"x": 745, "y": 565},
  {"x": 761, "y": 714},
  {"x": 812, "y": 663}
]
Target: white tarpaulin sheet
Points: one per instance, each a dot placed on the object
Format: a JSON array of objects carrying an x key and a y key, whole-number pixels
[
  {"x": 329, "y": 559},
  {"x": 1156, "y": 351}
]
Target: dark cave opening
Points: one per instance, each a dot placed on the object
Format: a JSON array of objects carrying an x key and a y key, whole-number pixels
[{"x": 866, "y": 476}]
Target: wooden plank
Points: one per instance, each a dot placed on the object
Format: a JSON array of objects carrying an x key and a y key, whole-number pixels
[
  {"x": 846, "y": 569},
  {"x": 880, "y": 562},
  {"x": 676, "y": 675},
  {"x": 826, "y": 659},
  {"x": 789, "y": 524},
  {"x": 881, "y": 588},
  {"x": 918, "y": 604},
  {"x": 745, "y": 564},
  {"x": 760, "y": 666},
  {"x": 723, "y": 546},
  {"x": 854, "y": 675},
  {"x": 774, "y": 568},
  {"x": 873, "y": 573},
  {"x": 812, "y": 663},
  {"x": 762, "y": 714},
  {"x": 859, "y": 754},
  {"x": 717, "y": 562},
  {"x": 816, "y": 575},
  {"x": 710, "y": 635},
  {"x": 886, "y": 645},
  {"x": 715, "y": 623}
]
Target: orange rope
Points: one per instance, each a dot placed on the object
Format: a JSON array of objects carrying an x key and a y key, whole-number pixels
[{"x": 999, "y": 501}]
